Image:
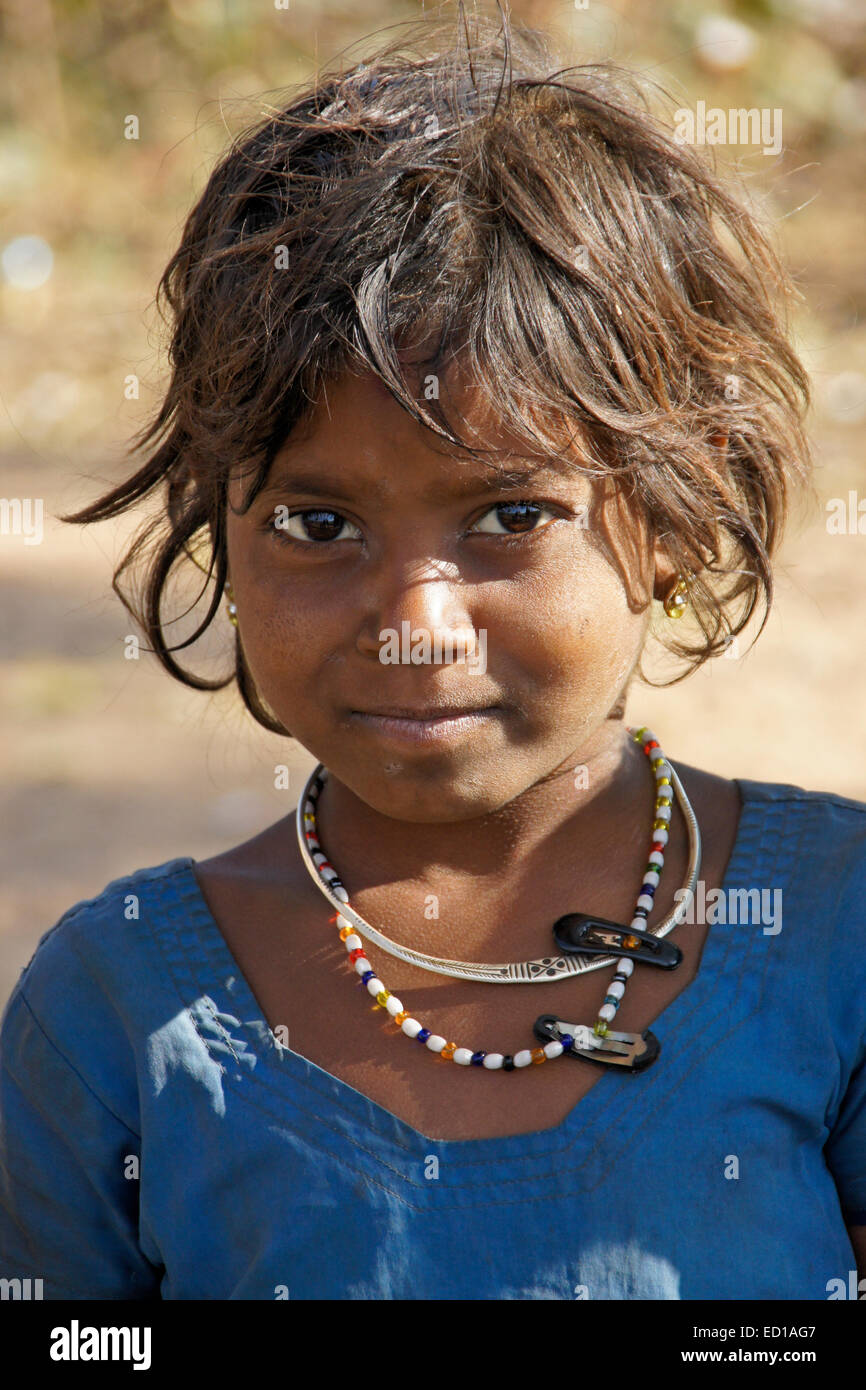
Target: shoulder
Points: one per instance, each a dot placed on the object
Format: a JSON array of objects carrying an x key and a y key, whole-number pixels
[
  {"x": 812, "y": 842},
  {"x": 93, "y": 984},
  {"x": 75, "y": 1025},
  {"x": 836, "y": 822},
  {"x": 112, "y": 923},
  {"x": 808, "y": 848}
]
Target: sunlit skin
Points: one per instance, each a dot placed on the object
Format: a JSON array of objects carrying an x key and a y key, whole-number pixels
[{"x": 563, "y": 598}]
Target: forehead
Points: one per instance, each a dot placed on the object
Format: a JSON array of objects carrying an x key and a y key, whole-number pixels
[{"x": 357, "y": 420}]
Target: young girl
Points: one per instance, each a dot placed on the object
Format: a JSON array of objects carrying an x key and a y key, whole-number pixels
[{"x": 472, "y": 361}]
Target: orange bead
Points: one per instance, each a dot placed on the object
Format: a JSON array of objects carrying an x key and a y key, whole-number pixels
[
  {"x": 448, "y": 1051},
  {"x": 538, "y": 1055},
  {"x": 345, "y": 931},
  {"x": 632, "y": 942},
  {"x": 401, "y": 1017}
]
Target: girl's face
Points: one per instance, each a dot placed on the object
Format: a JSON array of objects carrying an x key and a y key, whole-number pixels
[{"x": 381, "y": 530}]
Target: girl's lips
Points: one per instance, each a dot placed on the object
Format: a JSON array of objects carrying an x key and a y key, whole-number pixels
[{"x": 433, "y": 729}]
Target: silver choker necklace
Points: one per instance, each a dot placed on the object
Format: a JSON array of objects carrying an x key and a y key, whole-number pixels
[{"x": 588, "y": 943}]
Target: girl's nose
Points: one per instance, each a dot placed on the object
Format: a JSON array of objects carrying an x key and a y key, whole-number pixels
[{"x": 430, "y": 599}]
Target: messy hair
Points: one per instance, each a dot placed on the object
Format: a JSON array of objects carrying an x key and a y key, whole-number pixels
[{"x": 458, "y": 190}]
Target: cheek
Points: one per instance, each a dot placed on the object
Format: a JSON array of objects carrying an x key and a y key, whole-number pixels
[
  {"x": 287, "y": 632},
  {"x": 571, "y": 624}
]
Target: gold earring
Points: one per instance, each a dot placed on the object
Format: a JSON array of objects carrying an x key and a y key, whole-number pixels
[
  {"x": 677, "y": 600},
  {"x": 231, "y": 607}
]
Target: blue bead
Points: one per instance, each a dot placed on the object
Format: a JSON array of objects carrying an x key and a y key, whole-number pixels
[
  {"x": 609, "y": 999},
  {"x": 478, "y": 1058},
  {"x": 368, "y": 975},
  {"x": 423, "y": 1035},
  {"x": 567, "y": 1042},
  {"x": 648, "y": 888}
]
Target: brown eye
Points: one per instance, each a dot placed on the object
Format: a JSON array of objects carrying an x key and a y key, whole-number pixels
[
  {"x": 516, "y": 518},
  {"x": 311, "y": 526}
]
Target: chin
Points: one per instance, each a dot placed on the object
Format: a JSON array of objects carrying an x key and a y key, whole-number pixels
[{"x": 429, "y": 796}]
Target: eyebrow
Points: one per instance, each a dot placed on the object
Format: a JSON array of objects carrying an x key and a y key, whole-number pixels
[{"x": 501, "y": 480}]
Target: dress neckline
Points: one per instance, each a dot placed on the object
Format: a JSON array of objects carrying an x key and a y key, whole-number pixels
[{"x": 687, "y": 1029}]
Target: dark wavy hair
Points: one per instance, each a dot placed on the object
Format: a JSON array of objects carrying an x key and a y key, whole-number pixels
[{"x": 459, "y": 190}]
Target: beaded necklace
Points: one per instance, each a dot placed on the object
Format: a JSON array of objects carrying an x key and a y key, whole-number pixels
[{"x": 587, "y": 943}]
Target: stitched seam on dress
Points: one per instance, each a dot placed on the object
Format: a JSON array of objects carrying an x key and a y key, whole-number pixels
[
  {"x": 26, "y": 1002},
  {"x": 209, "y": 1005}
]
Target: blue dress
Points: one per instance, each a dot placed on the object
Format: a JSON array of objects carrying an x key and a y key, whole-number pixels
[{"x": 157, "y": 1140}]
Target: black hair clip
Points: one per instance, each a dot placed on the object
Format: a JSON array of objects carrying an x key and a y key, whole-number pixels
[
  {"x": 579, "y": 934},
  {"x": 631, "y": 1051}
]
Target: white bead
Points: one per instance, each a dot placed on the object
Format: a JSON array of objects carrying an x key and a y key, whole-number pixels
[
  {"x": 393, "y": 1005},
  {"x": 374, "y": 986},
  {"x": 638, "y": 924},
  {"x": 309, "y": 808},
  {"x": 607, "y": 1012},
  {"x": 656, "y": 857},
  {"x": 660, "y": 837},
  {"x": 340, "y": 894},
  {"x": 343, "y": 922},
  {"x": 493, "y": 1061},
  {"x": 362, "y": 965},
  {"x": 625, "y": 966},
  {"x": 353, "y": 943},
  {"x": 663, "y": 813},
  {"x": 522, "y": 1059},
  {"x": 435, "y": 1043},
  {"x": 462, "y": 1057},
  {"x": 664, "y": 768},
  {"x": 652, "y": 879},
  {"x": 319, "y": 859},
  {"x": 617, "y": 988},
  {"x": 645, "y": 900},
  {"x": 411, "y": 1027},
  {"x": 552, "y": 1049}
]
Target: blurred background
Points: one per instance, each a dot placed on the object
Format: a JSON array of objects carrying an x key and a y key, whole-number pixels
[{"x": 108, "y": 765}]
